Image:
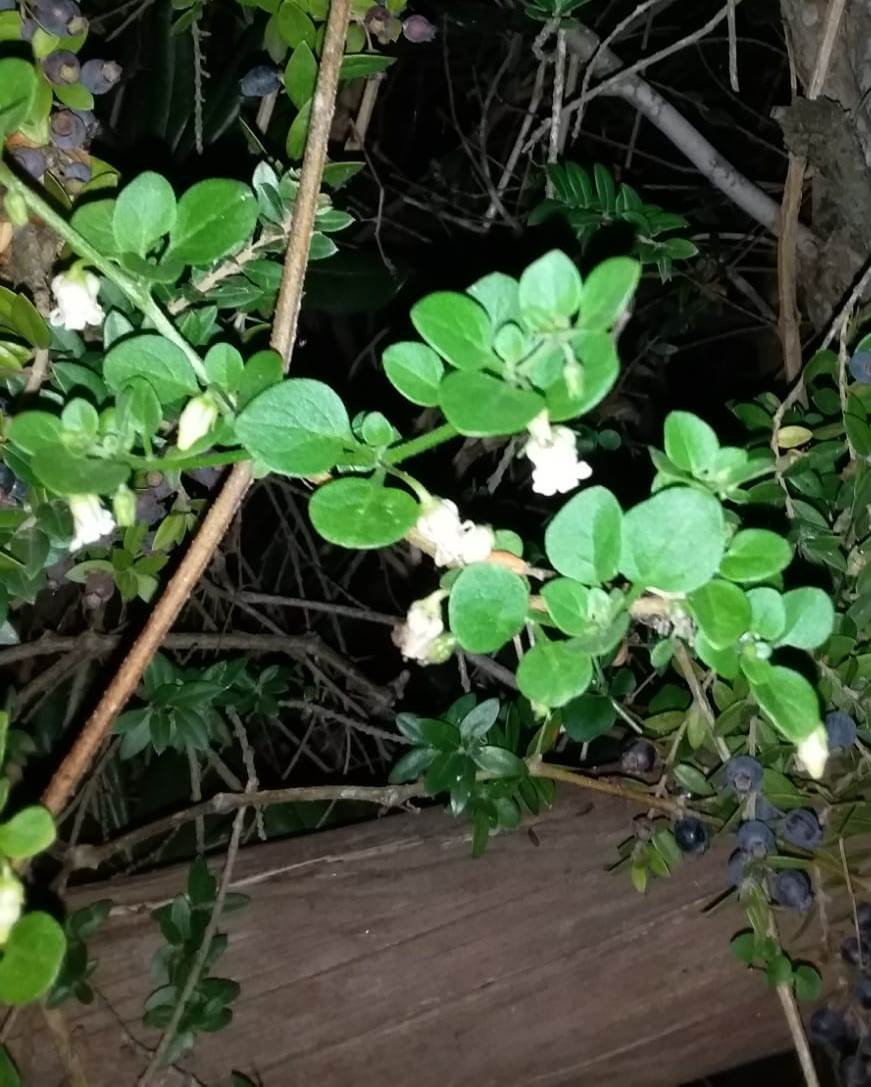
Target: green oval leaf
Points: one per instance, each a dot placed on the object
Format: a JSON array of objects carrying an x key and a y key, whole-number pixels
[
  {"x": 18, "y": 85},
  {"x": 499, "y": 761},
  {"x": 600, "y": 367},
  {"x": 301, "y": 74},
  {"x": 415, "y": 370},
  {"x": 809, "y": 618},
  {"x": 568, "y": 603},
  {"x": 361, "y": 65},
  {"x": 587, "y": 717},
  {"x": 66, "y": 474},
  {"x": 34, "y": 430},
  {"x": 294, "y": 25},
  {"x": 144, "y": 211},
  {"x": 755, "y": 554},
  {"x": 94, "y": 221},
  {"x": 156, "y": 360},
  {"x": 674, "y": 541},
  {"x": 583, "y": 541},
  {"x": 767, "y": 613},
  {"x": 487, "y": 607},
  {"x": 214, "y": 217},
  {"x": 361, "y": 513},
  {"x": 27, "y": 833},
  {"x": 553, "y": 673},
  {"x": 722, "y": 612},
  {"x": 690, "y": 444},
  {"x": 457, "y": 327},
  {"x": 607, "y": 292},
  {"x": 550, "y": 289},
  {"x": 31, "y": 959},
  {"x": 479, "y": 405},
  {"x": 787, "y": 698},
  {"x": 298, "y": 427}
]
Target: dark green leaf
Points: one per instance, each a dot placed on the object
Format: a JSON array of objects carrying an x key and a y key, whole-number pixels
[
  {"x": 583, "y": 541},
  {"x": 487, "y": 607},
  {"x": 360, "y": 513}
]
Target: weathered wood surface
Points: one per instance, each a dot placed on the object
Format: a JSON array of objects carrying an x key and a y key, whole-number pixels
[{"x": 382, "y": 954}]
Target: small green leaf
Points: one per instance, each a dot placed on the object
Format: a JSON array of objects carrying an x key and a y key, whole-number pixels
[
  {"x": 298, "y": 133},
  {"x": 808, "y": 982},
  {"x": 600, "y": 363},
  {"x": 767, "y": 613},
  {"x": 587, "y": 717},
  {"x": 412, "y": 765},
  {"x": 144, "y": 211},
  {"x": 224, "y": 366},
  {"x": 9, "y": 1076},
  {"x": 487, "y": 607},
  {"x": 18, "y": 85},
  {"x": 722, "y": 612},
  {"x": 361, "y": 65},
  {"x": 360, "y": 513},
  {"x": 779, "y": 970},
  {"x": 31, "y": 431},
  {"x": 456, "y": 327},
  {"x": 298, "y": 427},
  {"x": 497, "y": 293},
  {"x": 788, "y": 699},
  {"x": 690, "y": 443},
  {"x": 415, "y": 370},
  {"x": 27, "y": 833},
  {"x": 743, "y": 947},
  {"x": 479, "y": 720},
  {"x": 809, "y": 616},
  {"x": 32, "y": 957},
  {"x": 674, "y": 541},
  {"x": 583, "y": 541},
  {"x": 445, "y": 771},
  {"x": 608, "y": 289},
  {"x": 780, "y": 791},
  {"x": 294, "y": 26},
  {"x": 755, "y": 554},
  {"x": 94, "y": 221},
  {"x": 156, "y": 360},
  {"x": 553, "y": 673},
  {"x": 568, "y": 604},
  {"x": 301, "y": 74},
  {"x": 691, "y": 779},
  {"x": 499, "y": 761},
  {"x": 550, "y": 288},
  {"x": 479, "y": 405},
  {"x": 214, "y": 217},
  {"x": 66, "y": 474}
]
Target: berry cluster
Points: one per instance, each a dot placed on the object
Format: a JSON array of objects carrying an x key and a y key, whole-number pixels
[{"x": 844, "y": 1032}]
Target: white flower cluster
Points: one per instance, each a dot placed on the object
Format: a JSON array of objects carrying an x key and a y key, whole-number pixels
[
  {"x": 813, "y": 751},
  {"x": 91, "y": 520},
  {"x": 76, "y": 295},
  {"x": 451, "y": 542},
  {"x": 554, "y": 455},
  {"x": 422, "y": 636},
  {"x": 11, "y": 902}
]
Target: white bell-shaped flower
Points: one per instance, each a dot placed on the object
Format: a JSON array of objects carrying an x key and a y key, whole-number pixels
[
  {"x": 814, "y": 752},
  {"x": 422, "y": 636},
  {"x": 196, "y": 420},
  {"x": 91, "y": 520},
  {"x": 76, "y": 293},
  {"x": 554, "y": 454},
  {"x": 451, "y": 542},
  {"x": 11, "y": 902}
]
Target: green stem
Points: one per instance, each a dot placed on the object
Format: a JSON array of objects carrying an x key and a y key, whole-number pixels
[
  {"x": 421, "y": 444},
  {"x": 185, "y": 464},
  {"x": 83, "y": 248}
]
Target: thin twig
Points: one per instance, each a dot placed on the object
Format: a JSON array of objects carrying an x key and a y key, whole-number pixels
[
  {"x": 202, "y": 955},
  {"x": 559, "y": 84},
  {"x": 221, "y": 513}
]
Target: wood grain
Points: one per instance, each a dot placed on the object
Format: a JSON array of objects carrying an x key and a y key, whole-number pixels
[{"x": 383, "y": 954}]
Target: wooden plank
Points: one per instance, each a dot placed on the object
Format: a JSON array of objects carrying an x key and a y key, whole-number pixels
[{"x": 382, "y": 953}]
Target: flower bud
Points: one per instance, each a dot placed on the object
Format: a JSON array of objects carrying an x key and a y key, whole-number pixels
[
  {"x": 124, "y": 506},
  {"x": 91, "y": 521},
  {"x": 196, "y": 420},
  {"x": 814, "y": 752},
  {"x": 11, "y": 902},
  {"x": 76, "y": 293},
  {"x": 418, "y": 29}
]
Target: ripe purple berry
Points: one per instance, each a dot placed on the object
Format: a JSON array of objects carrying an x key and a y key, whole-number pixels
[
  {"x": 100, "y": 76},
  {"x": 638, "y": 757},
  {"x": 61, "y": 17},
  {"x": 793, "y": 890},
  {"x": 260, "y": 81},
  {"x": 418, "y": 29},
  {"x": 841, "y": 730},
  {"x": 863, "y": 990},
  {"x": 61, "y": 67},
  {"x": 68, "y": 130},
  {"x": 860, "y": 367},
  {"x": 77, "y": 171},
  {"x": 31, "y": 160},
  {"x": 738, "y": 864},
  {"x": 827, "y": 1027},
  {"x": 863, "y": 914},
  {"x": 801, "y": 827},
  {"x": 756, "y": 838},
  {"x": 855, "y": 951},
  {"x": 744, "y": 774},
  {"x": 691, "y": 835},
  {"x": 853, "y": 1071}
]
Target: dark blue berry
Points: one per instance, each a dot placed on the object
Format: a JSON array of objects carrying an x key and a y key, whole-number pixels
[
  {"x": 860, "y": 367},
  {"x": 841, "y": 730},
  {"x": 827, "y": 1027},
  {"x": 89, "y": 120},
  {"x": 854, "y": 952},
  {"x": 738, "y": 864},
  {"x": 854, "y": 1072},
  {"x": 863, "y": 915},
  {"x": 77, "y": 171},
  {"x": 638, "y": 757},
  {"x": 801, "y": 827},
  {"x": 756, "y": 838},
  {"x": 793, "y": 890},
  {"x": 691, "y": 835},
  {"x": 60, "y": 17},
  {"x": 28, "y": 28},
  {"x": 744, "y": 774},
  {"x": 61, "y": 67},
  {"x": 31, "y": 160},
  {"x": 260, "y": 81},
  {"x": 863, "y": 990},
  {"x": 68, "y": 130},
  {"x": 100, "y": 76}
]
